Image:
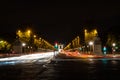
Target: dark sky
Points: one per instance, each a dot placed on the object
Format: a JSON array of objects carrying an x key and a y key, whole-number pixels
[{"x": 59, "y": 21}]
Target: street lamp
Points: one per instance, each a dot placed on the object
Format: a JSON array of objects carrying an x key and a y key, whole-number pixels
[
  {"x": 23, "y": 44},
  {"x": 113, "y": 48},
  {"x": 34, "y": 36},
  {"x": 91, "y": 46},
  {"x": 28, "y": 33},
  {"x": 113, "y": 44}
]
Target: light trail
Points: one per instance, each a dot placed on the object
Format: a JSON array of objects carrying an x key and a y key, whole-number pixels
[{"x": 29, "y": 58}]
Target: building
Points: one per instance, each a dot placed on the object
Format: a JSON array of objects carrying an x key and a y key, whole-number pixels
[{"x": 17, "y": 46}]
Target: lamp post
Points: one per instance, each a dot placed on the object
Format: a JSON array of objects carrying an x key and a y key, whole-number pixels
[
  {"x": 113, "y": 48},
  {"x": 91, "y": 46},
  {"x": 23, "y": 47}
]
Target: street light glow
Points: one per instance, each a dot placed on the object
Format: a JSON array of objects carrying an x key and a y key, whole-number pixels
[
  {"x": 113, "y": 44},
  {"x": 90, "y": 43},
  {"x": 29, "y": 31},
  {"x": 23, "y": 44}
]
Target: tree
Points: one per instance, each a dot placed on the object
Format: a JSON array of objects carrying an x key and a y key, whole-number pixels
[
  {"x": 4, "y": 46},
  {"x": 90, "y": 35},
  {"x": 32, "y": 41},
  {"x": 111, "y": 39}
]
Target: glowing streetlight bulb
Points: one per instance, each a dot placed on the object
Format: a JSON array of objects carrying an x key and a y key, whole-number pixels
[
  {"x": 113, "y": 44},
  {"x": 23, "y": 44},
  {"x": 19, "y": 31},
  {"x": 29, "y": 31},
  {"x": 34, "y": 36},
  {"x": 85, "y": 30},
  {"x": 90, "y": 43}
]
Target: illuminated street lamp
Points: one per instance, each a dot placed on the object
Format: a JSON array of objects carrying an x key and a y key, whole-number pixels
[
  {"x": 34, "y": 36},
  {"x": 91, "y": 46},
  {"x": 113, "y": 44},
  {"x": 23, "y": 44},
  {"x": 90, "y": 43},
  {"x": 113, "y": 47},
  {"x": 28, "y": 33},
  {"x": 19, "y": 31}
]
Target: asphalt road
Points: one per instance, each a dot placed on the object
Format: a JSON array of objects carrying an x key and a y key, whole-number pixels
[
  {"x": 62, "y": 69},
  {"x": 81, "y": 69}
]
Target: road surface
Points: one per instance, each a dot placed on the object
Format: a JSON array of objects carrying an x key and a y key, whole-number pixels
[{"x": 61, "y": 69}]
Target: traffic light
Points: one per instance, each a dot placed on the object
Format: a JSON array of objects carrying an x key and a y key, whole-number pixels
[
  {"x": 104, "y": 50},
  {"x": 56, "y": 45}
]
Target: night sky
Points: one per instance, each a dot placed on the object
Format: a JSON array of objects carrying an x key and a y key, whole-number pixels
[{"x": 59, "y": 21}]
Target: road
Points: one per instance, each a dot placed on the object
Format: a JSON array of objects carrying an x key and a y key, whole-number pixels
[
  {"x": 61, "y": 69},
  {"x": 24, "y": 67},
  {"x": 81, "y": 69}
]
